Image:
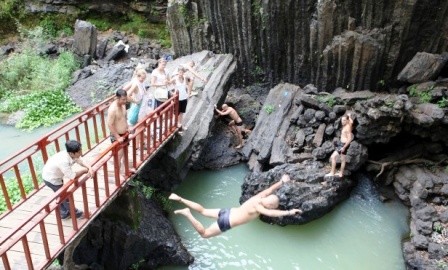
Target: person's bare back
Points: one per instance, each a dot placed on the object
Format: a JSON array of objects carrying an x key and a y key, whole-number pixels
[{"x": 263, "y": 203}]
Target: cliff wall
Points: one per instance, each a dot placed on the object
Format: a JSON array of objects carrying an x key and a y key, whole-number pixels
[{"x": 354, "y": 44}]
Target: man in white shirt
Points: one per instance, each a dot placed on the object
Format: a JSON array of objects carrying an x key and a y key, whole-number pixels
[{"x": 59, "y": 168}]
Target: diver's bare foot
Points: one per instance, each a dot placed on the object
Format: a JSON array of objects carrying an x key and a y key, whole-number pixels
[
  {"x": 183, "y": 212},
  {"x": 174, "y": 197},
  {"x": 329, "y": 174},
  {"x": 340, "y": 174},
  {"x": 238, "y": 146}
]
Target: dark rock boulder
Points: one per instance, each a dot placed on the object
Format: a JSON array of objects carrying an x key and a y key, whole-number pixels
[
  {"x": 417, "y": 187},
  {"x": 275, "y": 112},
  {"x": 218, "y": 151},
  {"x": 85, "y": 38},
  {"x": 123, "y": 234},
  {"x": 423, "y": 67},
  {"x": 307, "y": 191},
  {"x": 94, "y": 84}
]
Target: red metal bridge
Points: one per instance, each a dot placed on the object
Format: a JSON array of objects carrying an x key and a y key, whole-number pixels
[{"x": 32, "y": 232}]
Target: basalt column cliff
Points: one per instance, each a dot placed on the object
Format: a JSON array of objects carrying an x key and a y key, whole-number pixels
[{"x": 355, "y": 44}]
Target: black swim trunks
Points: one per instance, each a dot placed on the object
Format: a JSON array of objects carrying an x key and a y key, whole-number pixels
[
  {"x": 224, "y": 219},
  {"x": 339, "y": 145},
  {"x": 239, "y": 123},
  {"x": 113, "y": 139}
]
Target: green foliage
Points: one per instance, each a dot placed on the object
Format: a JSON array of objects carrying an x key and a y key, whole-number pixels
[
  {"x": 12, "y": 187},
  {"x": 437, "y": 227},
  {"x": 9, "y": 8},
  {"x": 189, "y": 18},
  {"x": 164, "y": 37},
  {"x": 47, "y": 108},
  {"x": 269, "y": 108},
  {"x": 259, "y": 13},
  {"x": 102, "y": 24},
  {"x": 327, "y": 99},
  {"x": 443, "y": 103},
  {"x": 258, "y": 71},
  {"x": 36, "y": 84},
  {"x": 137, "y": 265},
  {"x": 381, "y": 83},
  {"x": 151, "y": 193},
  {"x": 423, "y": 95},
  {"x": 134, "y": 23}
]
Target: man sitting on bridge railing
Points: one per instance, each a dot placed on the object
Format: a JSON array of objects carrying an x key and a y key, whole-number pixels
[{"x": 59, "y": 167}]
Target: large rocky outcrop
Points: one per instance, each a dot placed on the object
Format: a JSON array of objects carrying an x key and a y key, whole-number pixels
[
  {"x": 171, "y": 165},
  {"x": 331, "y": 43},
  {"x": 132, "y": 231},
  {"x": 425, "y": 191}
]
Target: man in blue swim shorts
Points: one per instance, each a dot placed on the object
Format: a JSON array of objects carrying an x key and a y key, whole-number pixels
[{"x": 263, "y": 203}]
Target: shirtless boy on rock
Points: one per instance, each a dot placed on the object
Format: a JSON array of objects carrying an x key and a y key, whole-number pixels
[{"x": 342, "y": 145}]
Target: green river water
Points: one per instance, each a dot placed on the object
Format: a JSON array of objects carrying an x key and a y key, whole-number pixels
[{"x": 360, "y": 234}]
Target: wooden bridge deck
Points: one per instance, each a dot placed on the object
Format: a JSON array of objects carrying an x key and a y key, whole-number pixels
[{"x": 16, "y": 256}]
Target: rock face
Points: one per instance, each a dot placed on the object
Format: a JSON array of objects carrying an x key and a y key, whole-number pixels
[
  {"x": 332, "y": 43},
  {"x": 423, "y": 67},
  {"x": 171, "y": 165},
  {"x": 305, "y": 192},
  {"x": 425, "y": 191},
  {"x": 153, "y": 9},
  {"x": 85, "y": 38},
  {"x": 130, "y": 229},
  {"x": 293, "y": 127}
]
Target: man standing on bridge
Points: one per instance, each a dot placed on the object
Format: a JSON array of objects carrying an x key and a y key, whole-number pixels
[
  {"x": 59, "y": 168},
  {"x": 117, "y": 122}
]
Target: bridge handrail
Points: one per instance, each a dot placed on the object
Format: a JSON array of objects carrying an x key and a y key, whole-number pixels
[
  {"x": 41, "y": 145},
  {"x": 39, "y": 142},
  {"x": 166, "y": 112},
  {"x": 58, "y": 196}
]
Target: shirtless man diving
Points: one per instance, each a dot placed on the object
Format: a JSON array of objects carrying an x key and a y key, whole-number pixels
[
  {"x": 342, "y": 145},
  {"x": 263, "y": 203},
  {"x": 236, "y": 124}
]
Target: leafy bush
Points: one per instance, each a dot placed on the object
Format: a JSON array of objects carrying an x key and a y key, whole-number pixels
[
  {"x": 8, "y": 8},
  {"x": 424, "y": 95},
  {"x": 134, "y": 23},
  {"x": 330, "y": 100},
  {"x": 101, "y": 24},
  {"x": 12, "y": 187},
  {"x": 36, "y": 84},
  {"x": 443, "y": 103}
]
